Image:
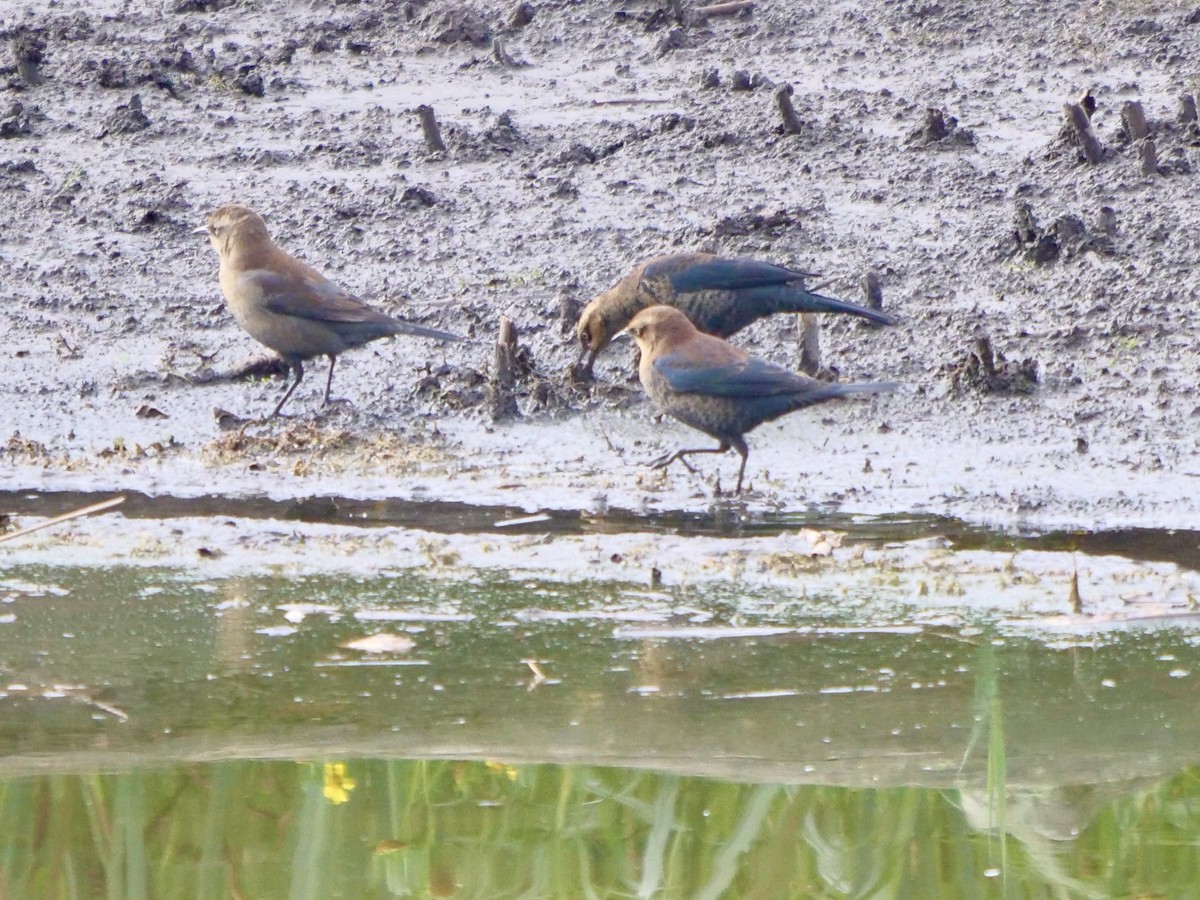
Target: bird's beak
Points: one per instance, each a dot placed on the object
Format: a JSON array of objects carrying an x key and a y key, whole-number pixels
[
  {"x": 203, "y": 229},
  {"x": 622, "y": 335}
]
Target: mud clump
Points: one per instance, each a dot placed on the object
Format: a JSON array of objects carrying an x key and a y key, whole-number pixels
[
  {"x": 986, "y": 371},
  {"x": 458, "y": 25},
  {"x": 606, "y": 157},
  {"x": 128, "y": 118},
  {"x": 941, "y": 130},
  {"x": 16, "y": 121},
  {"x": 1066, "y": 237},
  {"x": 196, "y": 6}
]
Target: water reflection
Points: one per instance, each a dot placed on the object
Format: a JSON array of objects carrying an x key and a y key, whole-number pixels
[
  {"x": 487, "y": 829},
  {"x": 163, "y": 735}
]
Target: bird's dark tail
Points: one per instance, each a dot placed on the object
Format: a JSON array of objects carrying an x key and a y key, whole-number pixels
[
  {"x": 830, "y": 391},
  {"x": 795, "y": 299},
  {"x": 401, "y": 327}
]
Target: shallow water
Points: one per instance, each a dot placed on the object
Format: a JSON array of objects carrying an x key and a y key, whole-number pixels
[{"x": 210, "y": 728}]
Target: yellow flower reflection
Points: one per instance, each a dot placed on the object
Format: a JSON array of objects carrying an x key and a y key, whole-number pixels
[
  {"x": 338, "y": 784},
  {"x": 508, "y": 771}
]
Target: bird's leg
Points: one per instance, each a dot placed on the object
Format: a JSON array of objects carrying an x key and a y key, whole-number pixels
[
  {"x": 329, "y": 378},
  {"x": 299, "y": 367},
  {"x": 739, "y": 444},
  {"x": 663, "y": 461},
  {"x": 329, "y": 385}
]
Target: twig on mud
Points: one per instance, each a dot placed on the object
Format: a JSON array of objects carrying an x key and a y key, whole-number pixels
[
  {"x": 611, "y": 446},
  {"x": 810, "y": 344},
  {"x": 502, "y": 56},
  {"x": 783, "y": 99},
  {"x": 69, "y": 350},
  {"x": 429, "y": 125},
  {"x": 632, "y": 101},
  {"x": 1093, "y": 152},
  {"x": 65, "y": 517},
  {"x": 725, "y": 9}
]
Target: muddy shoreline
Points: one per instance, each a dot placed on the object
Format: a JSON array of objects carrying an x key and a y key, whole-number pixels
[{"x": 604, "y": 137}]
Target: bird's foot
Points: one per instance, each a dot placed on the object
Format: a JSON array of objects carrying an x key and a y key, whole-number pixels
[
  {"x": 281, "y": 416},
  {"x": 667, "y": 458}
]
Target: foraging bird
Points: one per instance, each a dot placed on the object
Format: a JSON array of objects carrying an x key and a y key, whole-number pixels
[
  {"x": 720, "y": 296},
  {"x": 715, "y": 387},
  {"x": 289, "y": 306}
]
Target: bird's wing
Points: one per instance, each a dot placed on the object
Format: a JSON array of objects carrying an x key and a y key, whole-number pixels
[
  {"x": 749, "y": 378},
  {"x": 725, "y": 273},
  {"x": 307, "y": 296}
]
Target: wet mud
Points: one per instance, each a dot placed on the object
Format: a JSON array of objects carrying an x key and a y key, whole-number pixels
[{"x": 1046, "y": 302}]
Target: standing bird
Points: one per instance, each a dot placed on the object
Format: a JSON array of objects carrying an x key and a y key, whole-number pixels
[
  {"x": 718, "y": 388},
  {"x": 288, "y": 305},
  {"x": 720, "y": 296}
]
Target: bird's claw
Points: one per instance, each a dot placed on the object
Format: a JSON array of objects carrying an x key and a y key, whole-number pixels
[{"x": 666, "y": 459}]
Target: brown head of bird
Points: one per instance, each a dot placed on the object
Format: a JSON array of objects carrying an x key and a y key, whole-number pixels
[
  {"x": 235, "y": 231},
  {"x": 598, "y": 324}
]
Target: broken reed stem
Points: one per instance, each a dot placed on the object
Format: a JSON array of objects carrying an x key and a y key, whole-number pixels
[
  {"x": 65, "y": 517},
  {"x": 1149, "y": 155},
  {"x": 429, "y": 125},
  {"x": 1187, "y": 109},
  {"x": 783, "y": 99},
  {"x": 986, "y": 356},
  {"x": 503, "y": 399},
  {"x": 810, "y": 344},
  {"x": 725, "y": 9},
  {"x": 1093, "y": 152},
  {"x": 1135, "y": 120},
  {"x": 872, "y": 290},
  {"x": 501, "y": 55}
]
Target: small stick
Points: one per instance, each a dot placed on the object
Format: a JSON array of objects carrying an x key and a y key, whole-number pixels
[
  {"x": 987, "y": 358},
  {"x": 632, "y": 101},
  {"x": 873, "y": 290},
  {"x": 725, "y": 9},
  {"x": 501, "y": 55},
  {"x": 1078, "y": 120},
  {"x": 783, "y": 99},
  {"x": 1135, "y": 120},
  {"x": 810, "y": 344},
  {"x": 65, "y": 517},
  {"x": 1187, "y": 108},
  {"x": 429, "y": 125},
  {"x": 503, "y": 403},
  {"x": 1149, "y": 155}
]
